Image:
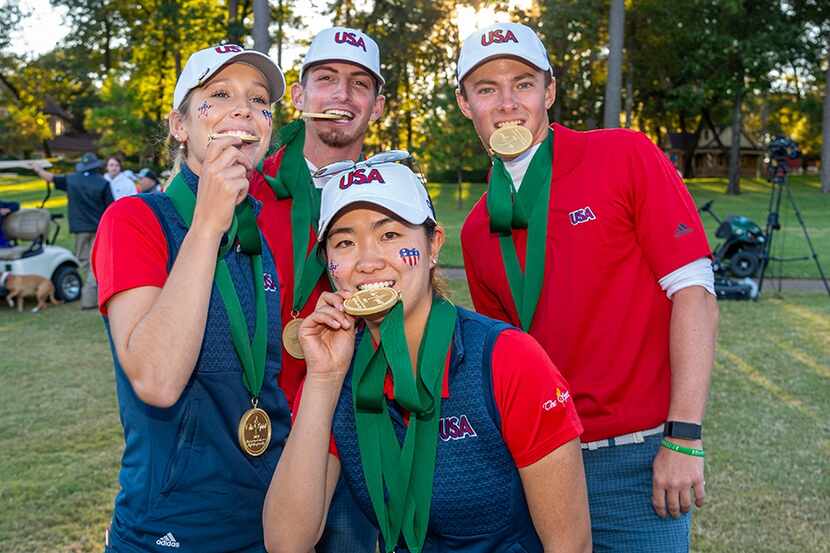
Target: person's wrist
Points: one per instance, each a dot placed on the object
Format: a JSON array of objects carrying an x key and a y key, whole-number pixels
[
  {"x": 206, "y": 231},
  {"x": 692, "y": 448},
  {"x": 323, "y": 383}
]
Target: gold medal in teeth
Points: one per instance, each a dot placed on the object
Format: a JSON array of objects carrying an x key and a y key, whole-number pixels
[
  {"x": 371, "y": 301},
  {"x": 510, "y": 140}
]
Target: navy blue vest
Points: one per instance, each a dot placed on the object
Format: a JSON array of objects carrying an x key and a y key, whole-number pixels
[
  {"x": 478, "y": 503},
  {"x": 184, "y": 479}
]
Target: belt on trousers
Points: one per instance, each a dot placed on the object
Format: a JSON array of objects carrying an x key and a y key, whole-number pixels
[{"x": 624, "y": 439}]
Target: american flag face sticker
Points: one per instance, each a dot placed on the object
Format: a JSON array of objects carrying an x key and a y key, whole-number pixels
[
  {"x": 267, "y": 114},
  {"x": 410, "y": 256},
  {"x": 203, "y": 109}
]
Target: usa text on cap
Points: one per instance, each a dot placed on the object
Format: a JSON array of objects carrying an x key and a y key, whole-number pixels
[
  {"x": 344, "y": 44},
  {"x": 202, "y": 65},
  {"x": 389, "y": 185},
  {"x": 498, "y": 41}
]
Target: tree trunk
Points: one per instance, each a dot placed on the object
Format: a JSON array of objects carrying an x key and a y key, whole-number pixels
[
  {"x": 825, "y": 134},
  {"x": 458, "y": 201},
  {"x": 10, "y": 86},
  {"x": 408, "y": 112},
  {"x": 734, "y": 186},
  {"x": 629, "y": 97},
  {"x": 234, "y": 35},
  {"x": 262, "y": 20},
  {"x": 280, "y": 38},
  {"x": 107, "y": 46},
  {"x": 613, "y": 87},
  {"x": 689, "y": 152}
]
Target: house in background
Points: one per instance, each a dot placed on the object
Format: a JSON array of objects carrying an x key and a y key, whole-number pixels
[
  {"x": 711, "y": 153},
  {"x": 66, "y": 140}
]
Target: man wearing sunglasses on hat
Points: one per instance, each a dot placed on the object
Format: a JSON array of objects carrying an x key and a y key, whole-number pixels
[
  {"x": 590, "y": 242},
  {"x": 339, "y": 96}
]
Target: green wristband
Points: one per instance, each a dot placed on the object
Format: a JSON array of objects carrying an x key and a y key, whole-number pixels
[{"x": 680, "y": 449}]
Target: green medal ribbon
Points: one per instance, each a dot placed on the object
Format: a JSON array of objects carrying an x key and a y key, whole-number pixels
[
  {"x": 251, "y": 353},
  {"x": 407, "y": 471},
  {"x": 294, "y": 181},
  {"x": 526, "y": 209}
]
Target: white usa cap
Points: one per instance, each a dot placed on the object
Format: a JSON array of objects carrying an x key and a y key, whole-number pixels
[
  {"x": 344, "y": 44},
  {"x": 202, "y": 65},
  {"x": 389, "y": 185},
  {"x": 502, "y": 40}
]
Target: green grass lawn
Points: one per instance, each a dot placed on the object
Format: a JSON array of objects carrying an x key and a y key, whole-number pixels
[
  {"x": 767, "y": 433},
  {"x": 753, "y": 202}
]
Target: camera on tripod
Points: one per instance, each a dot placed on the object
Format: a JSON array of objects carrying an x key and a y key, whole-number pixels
[
  {"x": 781, "y": 150},
  {"x": 745, "y": 252}
]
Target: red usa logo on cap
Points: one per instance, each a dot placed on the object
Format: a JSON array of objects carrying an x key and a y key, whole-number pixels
[
  {"x": 228, "y": 49},
  {"x": 344, "y": 37},
  {"x": 359, "y": 176},
  {"x": 498, "y": 36}
]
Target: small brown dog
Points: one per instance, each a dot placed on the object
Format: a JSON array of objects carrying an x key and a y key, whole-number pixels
[{"x": 21, "y": 286}]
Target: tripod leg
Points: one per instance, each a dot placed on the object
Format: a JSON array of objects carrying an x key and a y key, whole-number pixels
[
  {"x": 772, "y": 226},
  {"x": 807, "y": 237}
]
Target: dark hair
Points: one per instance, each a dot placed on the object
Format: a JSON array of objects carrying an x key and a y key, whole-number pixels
[
  {"x": 116, "y": 158},
  {"x": 548, "y": 80},
  {"x": 436, "y": 280}
]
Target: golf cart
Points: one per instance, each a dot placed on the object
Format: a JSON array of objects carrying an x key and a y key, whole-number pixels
[
  {"x": 738, "y": 259},
  {"x": 33, "y": 250}
]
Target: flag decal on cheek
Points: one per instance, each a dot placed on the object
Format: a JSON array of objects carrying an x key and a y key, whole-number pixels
[{"x": 410, "y": 256}]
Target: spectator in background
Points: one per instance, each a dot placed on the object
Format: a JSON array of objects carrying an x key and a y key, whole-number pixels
[
  {"x": 89, "y": 195},
  {"x": 114, "y": 168},
  {"x": 122, "y": 183},
  {"x": 147, "y": 181},
  {"x": 5, "y": 209}
]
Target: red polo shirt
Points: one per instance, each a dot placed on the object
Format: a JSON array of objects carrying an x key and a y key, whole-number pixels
[
  {"x": 130, "y": 250},
  {"x": 620, "y": 218},
  {"x": 275, "y": 222}
]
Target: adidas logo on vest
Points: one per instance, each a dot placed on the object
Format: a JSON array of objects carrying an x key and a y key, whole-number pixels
[{"x": 168, "y": 540}]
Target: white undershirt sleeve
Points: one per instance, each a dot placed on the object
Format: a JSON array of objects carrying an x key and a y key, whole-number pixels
[{"x": 696, "y": 273}]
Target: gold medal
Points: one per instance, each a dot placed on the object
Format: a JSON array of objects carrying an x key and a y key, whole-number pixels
[
  {"x": 371, "y": 301},
  {"x": 291, "y": 339},
  {"x": 312, "y": 115},
  {"x": 510, "y": 140},
  {"x": 254, "y": 431}
]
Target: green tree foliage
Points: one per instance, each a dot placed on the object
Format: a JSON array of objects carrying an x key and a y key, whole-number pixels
[
  {"x": 137, "y": 84},
  {"x": 411, "y": 50},
  {"x": 575, "y": 33},
  {"x": 687, "y": 66}
]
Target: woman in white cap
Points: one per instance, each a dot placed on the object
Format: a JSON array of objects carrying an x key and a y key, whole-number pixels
[
  {"x": 454, "y": 432},
  {"x": 188, "y": 296}
]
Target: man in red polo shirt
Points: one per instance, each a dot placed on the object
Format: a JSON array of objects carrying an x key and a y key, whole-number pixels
[
  {"x": 339, "y": 95},
  {"x": 591, "y": 243}
]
